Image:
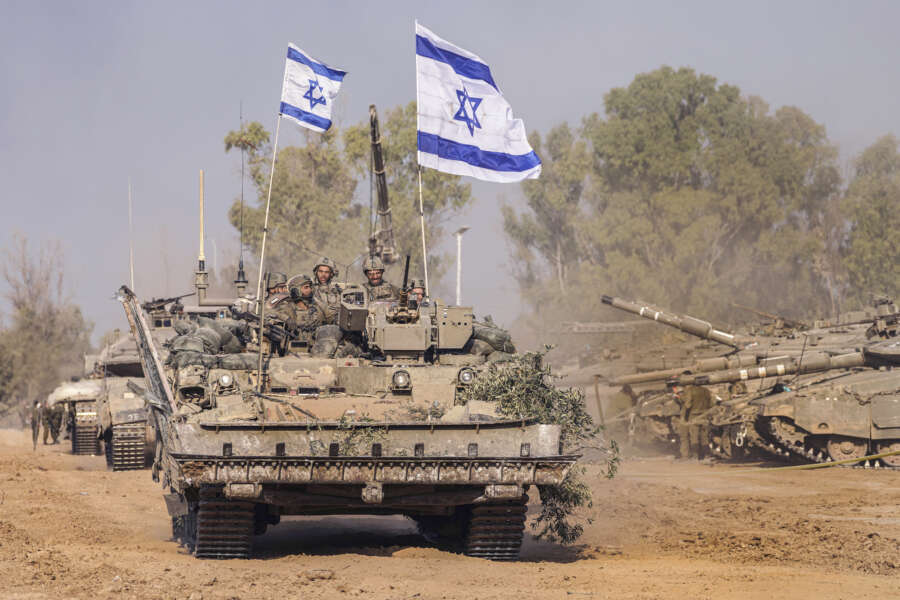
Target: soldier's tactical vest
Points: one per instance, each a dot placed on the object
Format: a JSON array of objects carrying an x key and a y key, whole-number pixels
[{"x": 381, "y": 292}]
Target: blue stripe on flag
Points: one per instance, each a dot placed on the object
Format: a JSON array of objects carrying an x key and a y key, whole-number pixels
[
  {"x": 462, "y": 65},
  {"x": 320, "y": 69},
  {"x": 475, "y": 156},
  {"x": 306, "y": 117}
]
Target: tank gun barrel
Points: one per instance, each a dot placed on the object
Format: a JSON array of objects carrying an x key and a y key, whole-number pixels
[
  {"x": 719, "y": 363},
  {"x": 685, "y": 323},
  {"x": 786, "y": 366}
]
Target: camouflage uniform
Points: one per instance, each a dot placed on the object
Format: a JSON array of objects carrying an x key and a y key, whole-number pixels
[
  {"x": 280, "y": 308},
  {"x": 384, "y": 291},
  {"x": 381, "y": 292},
  {"x": 694, "y": 435},
  {"x": 51, "y": 419},
  {"x": 326, "y": 296}
]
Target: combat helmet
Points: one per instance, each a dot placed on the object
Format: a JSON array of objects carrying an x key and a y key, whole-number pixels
[
  {"x": 373, "y": 263},
  {"x": 276, "y": 279},
  {"x": 326, "y": 262},
  {"x": 417, "y": 283}
]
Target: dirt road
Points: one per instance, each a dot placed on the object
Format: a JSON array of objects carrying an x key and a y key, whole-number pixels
[{"x": 661, "y": 529}]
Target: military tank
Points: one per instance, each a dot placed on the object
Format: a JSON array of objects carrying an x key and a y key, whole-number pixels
[
  {"x": 123, "y": 418},
  {"x": 79, "y": 399},
  {"x": 244, "y": 438},
  {"x": 732, "y": 420}
]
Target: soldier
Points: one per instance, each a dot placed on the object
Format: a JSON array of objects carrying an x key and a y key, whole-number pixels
[
  {"x": 376, "y": 287},
  {"x": 310, "y": 314},
  {"x": 278, "y": 304},
  {"x": 417, "y": 292},
  {"x": 51, "y": 419},
  {"x": 327, "y": 294},
  {"x": 693, "y": 434}
]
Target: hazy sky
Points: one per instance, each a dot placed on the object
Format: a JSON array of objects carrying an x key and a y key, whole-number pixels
[{"x": 96, "y": 92}]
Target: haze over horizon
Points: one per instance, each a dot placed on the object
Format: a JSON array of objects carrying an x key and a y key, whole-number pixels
[{"x": 98, "y": 93}]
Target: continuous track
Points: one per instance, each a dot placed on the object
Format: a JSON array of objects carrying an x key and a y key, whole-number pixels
[
  {"x": 495, "y": 530},
  {"x": 126, "y": 448},
  {"x": 85, "y": 440}
]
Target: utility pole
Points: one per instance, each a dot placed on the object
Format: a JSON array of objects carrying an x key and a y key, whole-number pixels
[{"x": 459, "y": 233}]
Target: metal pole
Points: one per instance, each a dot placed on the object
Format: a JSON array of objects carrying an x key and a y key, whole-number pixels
[
  {"x": 130, "y": 237},
  {"x": 201, "y": 258},
  {"x": 422, "y": 221},
  {"x": 262, "y": 251},
  {"x": 458, "y": 268},
  {"x": 459, "y": 233}
]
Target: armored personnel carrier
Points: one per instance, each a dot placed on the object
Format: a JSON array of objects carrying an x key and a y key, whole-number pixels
[
  {"x": 244, "y": 439},
  {"x": 123, "y": 418},
  {"x": 79, "y": 399}
]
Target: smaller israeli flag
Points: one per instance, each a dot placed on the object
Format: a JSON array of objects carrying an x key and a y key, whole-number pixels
[
  {"x": 465, "y": 125},
  {"x": 310, "y": 87}
]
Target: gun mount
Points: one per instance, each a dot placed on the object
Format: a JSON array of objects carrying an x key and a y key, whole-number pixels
[{"x": 381, "y": 242}]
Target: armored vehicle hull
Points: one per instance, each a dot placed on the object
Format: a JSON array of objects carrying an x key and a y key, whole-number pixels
[
  {"x": 239, "y": 446},
  {"x": 80, "y": 401}
]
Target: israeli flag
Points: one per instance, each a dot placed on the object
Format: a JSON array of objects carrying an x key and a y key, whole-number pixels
[
  {"x": 310, "y": 87},
  {"x": 465, "y": 125}
]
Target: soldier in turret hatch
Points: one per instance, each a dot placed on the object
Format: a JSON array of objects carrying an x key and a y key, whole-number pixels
[
  {"x": 417, "y": 292},
  {"x": 376, "y": 287},
  {"x": 309, "y": 313},
  {"x": 326, "y": 292},
  {"x": 278, "y": 304}
]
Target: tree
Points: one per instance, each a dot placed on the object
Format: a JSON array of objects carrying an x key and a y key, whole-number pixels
[
  {"x": 872, "y": 203},
  {"x": 693, "y": 196},
  {"x": 315, "y": 207},
  {"x": 312, "y": 211},
  {"x": 551, "y": 228},
  {"x": 47, "y": 335}
]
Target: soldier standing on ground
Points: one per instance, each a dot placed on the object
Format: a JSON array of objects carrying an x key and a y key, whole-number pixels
[
  {"x": 326, "y": 293},
  {"x": 51, "y": 420},
  {"x": 693, "y": 434},
  {"x": 376, "y": 287}
]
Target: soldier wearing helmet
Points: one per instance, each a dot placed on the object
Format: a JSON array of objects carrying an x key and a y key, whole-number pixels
[
  {"x": 326, "y": 293},
  {"x": 310, "y": 313},
  {"x": 376, "y": 287},
  {"x": 417, "y": 290},
  {"x": 278, "y": 305}
]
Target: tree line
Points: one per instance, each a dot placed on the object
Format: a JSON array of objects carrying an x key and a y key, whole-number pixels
[
  {"x": 687, "y": 194},
  {"x": 683, "y": 192},
  {"x": 43, "y": 334}
]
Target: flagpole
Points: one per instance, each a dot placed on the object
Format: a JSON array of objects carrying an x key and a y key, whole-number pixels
[
  {"x": 262, "y": 252},
  {"x": 130, "y": 238},
  {"x": 421, "y": 204},
  {"x": 422, "y": 221}
]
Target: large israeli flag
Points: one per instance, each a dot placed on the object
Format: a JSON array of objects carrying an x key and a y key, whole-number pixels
[
  {"x": 310, "y": 87},
  {"x": 465, "y": 125}
]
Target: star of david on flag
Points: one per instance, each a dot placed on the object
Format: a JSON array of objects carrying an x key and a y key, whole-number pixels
[
  {"x": 465, "y": 125},
  {"x": 309, "y": 88}
]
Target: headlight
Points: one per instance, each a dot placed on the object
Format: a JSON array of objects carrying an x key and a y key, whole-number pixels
[
  {"x": 226, "y": 380},
  {"x": 466, "y": 376},
  {"x": 401, "y": 380}
]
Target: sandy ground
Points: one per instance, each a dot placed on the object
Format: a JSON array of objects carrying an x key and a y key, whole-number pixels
[{"x": 661, "y": 529}]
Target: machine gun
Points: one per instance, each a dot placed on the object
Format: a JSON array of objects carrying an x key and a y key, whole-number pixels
[
  {"x": 160, "y": 303},
  {"x": 274, "y": 333},
  {"x": 406, "y": 311},
  {"x": 381, "y": 242}
]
